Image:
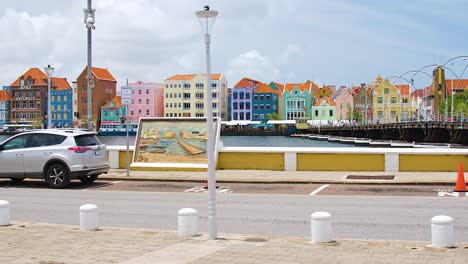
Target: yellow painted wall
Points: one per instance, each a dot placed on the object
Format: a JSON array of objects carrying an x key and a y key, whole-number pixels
[
  {"x": 340, "y": 162},
  {"x": 250, "y": 161},
  {"x": 432, "y": 162},
  {"x": 122, "y": 158}
]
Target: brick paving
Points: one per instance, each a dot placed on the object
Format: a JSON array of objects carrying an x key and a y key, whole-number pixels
[{"x": 40, "y": 243}]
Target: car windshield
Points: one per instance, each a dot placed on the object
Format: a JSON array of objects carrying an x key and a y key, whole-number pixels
[{"x": 87, "y": 140}]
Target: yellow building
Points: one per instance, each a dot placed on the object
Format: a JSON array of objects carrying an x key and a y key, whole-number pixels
[
  {"x": 386, "y": 102},
  {"x": 184, "y": 95}
]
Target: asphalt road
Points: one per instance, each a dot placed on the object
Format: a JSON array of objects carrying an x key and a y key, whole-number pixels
[{"x": 355, "y": 216}]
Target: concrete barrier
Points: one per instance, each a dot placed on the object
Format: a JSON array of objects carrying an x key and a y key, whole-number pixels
[
  {"x": 321, "y": 227},
  {"x": 88, "y": 217},
  {"x": 4, "y": 213},
  {"x": 442, "y": 231},
  {"x": 187, "y": 222}
]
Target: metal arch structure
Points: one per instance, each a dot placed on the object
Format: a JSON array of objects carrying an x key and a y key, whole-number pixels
[{"x": 454, "y": 58}]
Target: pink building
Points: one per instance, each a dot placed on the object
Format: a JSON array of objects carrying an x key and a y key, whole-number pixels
[
  {"x": 147, "y": 100},
  {"x": 344, "y": 103}
]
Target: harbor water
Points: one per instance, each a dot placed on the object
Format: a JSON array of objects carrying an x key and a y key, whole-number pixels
[{"x": 234, "y": 141}]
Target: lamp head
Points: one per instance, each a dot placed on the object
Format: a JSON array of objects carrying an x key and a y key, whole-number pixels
[{"x": 206, "y": 18}]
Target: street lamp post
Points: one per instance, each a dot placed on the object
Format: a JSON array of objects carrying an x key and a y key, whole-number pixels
[
  {"x": 89, "y": 22},
  {"x": 207, "y": 18},
  {"x": 49, "y": 70}
]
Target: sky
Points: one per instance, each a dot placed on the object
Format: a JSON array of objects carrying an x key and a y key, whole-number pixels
[{"x": 330, "y": 42}]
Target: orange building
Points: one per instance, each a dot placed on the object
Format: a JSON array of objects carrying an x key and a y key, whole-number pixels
[{"x": 104, "y": 90}]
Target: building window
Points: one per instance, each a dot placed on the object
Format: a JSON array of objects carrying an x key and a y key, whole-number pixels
[
  {"x": 331, "y": 112},
  {"x": 24, "y": 104},
  {"x": 139, "y": 91},
  {"x": 393, "y": 100},
  {"x": 267, "y": 107},
  {"x": 255, "y": 107},
  {"x": 199, "y": 95},
  {"x": 261, "y": 97},
  {"x": 255, "y": 97},
  {"x": 139, "y": 111},
  {"x": 247, "y": 106},
  {"x": 139, "y": 101},
  {"x": 214, "y": 105},
  {"x": 234, "y": 106},
  {"x": 186, "y": 96},
  {"x": 267, "y": 97},
  {"x": 147, "y": 91},
  {"x": 147, "y": 101},
  {"x": 379, "y": 100},
  {"x": 186, "y": 106},
  {"x": 31, "y": 104},
  {"x": 241, "y": 95},
  {"x": 261, "y": 107},
  {"x": 214, "y": 95},
  {"x": 234, "y": 96},
  {"x": 147, "y": 112},
  {"x": 198, "y": 105},
  {"x": 316, "y": 113},
  {"x": 241, "y": 116},
  {"x": 132, "y": 112},
  {"x": 241, "y": 106},
  {"x": 247, "y": 96}
]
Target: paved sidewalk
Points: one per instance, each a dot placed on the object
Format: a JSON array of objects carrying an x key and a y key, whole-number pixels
[
  {"x": 285, "y": 176},
  {"x": 37, "y": 243}
]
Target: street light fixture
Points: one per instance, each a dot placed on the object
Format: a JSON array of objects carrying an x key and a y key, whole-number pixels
[
  {"x": 207, "y": 18},
  {"x": 89, "y": 23},
  {"x": 49, "y": 71}
]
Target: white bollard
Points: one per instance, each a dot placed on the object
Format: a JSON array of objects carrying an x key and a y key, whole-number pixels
[
  {"x": 187, "y": 221},
  {"x": 442, "y": 231},
  {"x": 4, "y": 213},
  {"x": 88, "y": 217},
  {"x": 321, "y": 227}
]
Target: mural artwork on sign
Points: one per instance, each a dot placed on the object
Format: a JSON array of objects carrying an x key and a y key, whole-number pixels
[{"x": 166, "y": 140}]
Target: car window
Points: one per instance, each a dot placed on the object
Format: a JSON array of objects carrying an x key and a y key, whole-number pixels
[
  {"x": 16, "y": 143},
  {"x": 87, "y": 140},
  {"x": 40, "y": 140}
]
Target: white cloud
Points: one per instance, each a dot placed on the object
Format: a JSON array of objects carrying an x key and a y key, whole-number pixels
[{"x": 254, "y": 65}]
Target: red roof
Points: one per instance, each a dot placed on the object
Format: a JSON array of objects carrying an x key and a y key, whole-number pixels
[
  {"x": 117, "y": 101},
  {"x": 456, "y": 84},
  {"x": 327, "y": 99},
  {"x": 404, "y": 89},
  {"x": 4, "y": 95},
  {"x": 102, "y": 74},
  {"x": 302, "y": 86},
  {"x": 418, "y": 93},
  {"x": 61, "y": 83},
  {"x": 265, "y": 88},
  {"x": 280, "y": 86},
  {"x": 36, "y": 74},
  {"x": 247, "y": 83}
]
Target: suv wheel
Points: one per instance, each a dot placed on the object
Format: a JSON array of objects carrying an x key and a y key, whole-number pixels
[
  {"x": 57, "y": 176},
  {"x": 88, "y": 179}
]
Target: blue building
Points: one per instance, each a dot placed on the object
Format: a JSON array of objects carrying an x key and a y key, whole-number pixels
[
  {"x": 4, "y": 108},
  {"x": 265, "y": 101},
  {"x": 61, "y": 103},
  {"x": 240, "y": 100}
]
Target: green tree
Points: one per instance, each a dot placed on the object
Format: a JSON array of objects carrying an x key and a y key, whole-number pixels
[{"x": 273, "y": 116}]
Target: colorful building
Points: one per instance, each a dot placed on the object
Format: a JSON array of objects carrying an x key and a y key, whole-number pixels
[
  {"x": 297, "y": 100},
  {"x": 265, "y": 101},
  {"x": 147, "y": 100},
  {"x": 61, "y": 103},
  {"x": 104, "y": 89},
  {"x": 386, "y": 102},
  {"x": 344, "y": 103},
  {"x": 324, "y": 110},
  {"x": 112, "y": 111},
  {"x": 240, "y": 99},
  {"x": 184, "y": 96},
  {"x": 362, "y": 103},
  {"x": 4, "y": 108},
  {"x": 28, "y": 97},
  {"x": 406, "y": 111}
]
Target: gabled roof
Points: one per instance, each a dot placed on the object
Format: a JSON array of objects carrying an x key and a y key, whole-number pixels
[
  {"x": 188, "y": 77},
  {"x": 35, "y": 74},
  {"x": 61, "y": 83},
  {"x": 117, "y": 100},
  {"x": 279, "y": 85},
  {"x": 4, "y": 95},
  {"x": 102, "y": 74},
  {"x": 247, "y": 83},
  {"x": 330, "y": 102},
  {"x": 418, "y": 93},
  {"x": 301, "y": 86},
  {"x": 404, "y": 89},
  {"x": 265, "y": 88}
]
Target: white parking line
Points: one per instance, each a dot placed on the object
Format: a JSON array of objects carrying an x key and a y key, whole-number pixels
[
  {"x": 102, "y": 185},
  {"x": 319, "y": 189}
]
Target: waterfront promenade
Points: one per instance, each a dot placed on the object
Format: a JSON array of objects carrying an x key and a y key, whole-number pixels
[
  {"x": 44, "y": 243},
  {"x": 40, "y": 243}
]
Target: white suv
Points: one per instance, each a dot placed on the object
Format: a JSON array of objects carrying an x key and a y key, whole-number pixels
[{"x": 57, "y": 156}]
